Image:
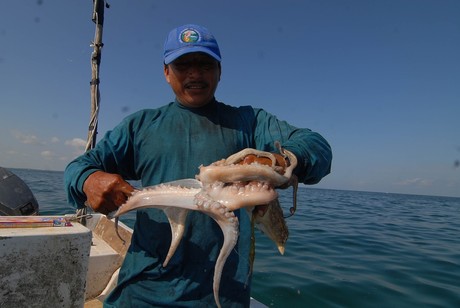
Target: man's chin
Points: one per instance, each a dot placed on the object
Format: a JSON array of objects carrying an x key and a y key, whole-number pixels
[{"x": 196, "y": 101}]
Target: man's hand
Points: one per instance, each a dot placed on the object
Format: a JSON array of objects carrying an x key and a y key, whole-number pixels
[{"x": 105, "y": 192}]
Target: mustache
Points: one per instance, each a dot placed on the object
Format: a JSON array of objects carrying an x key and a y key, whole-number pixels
[{"x": 196, "y": 84}]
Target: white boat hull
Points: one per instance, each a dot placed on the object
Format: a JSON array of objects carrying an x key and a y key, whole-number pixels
[{"x": 43, "y": 266}]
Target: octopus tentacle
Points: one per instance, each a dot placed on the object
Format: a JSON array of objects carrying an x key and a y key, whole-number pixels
[
  {"x": 241, "y": 194},
  {"x": 245, "y": 179},
  {"x": 234, "y": 169},
  {"x": 294, "y": 182},
  {"x": 292, "y": 160},
  {"x": 176, "y": 218},
  {"x": 229, "y": 224},
  {"x": 175, "y": 201},
  {"x": 240, "y": 173}
]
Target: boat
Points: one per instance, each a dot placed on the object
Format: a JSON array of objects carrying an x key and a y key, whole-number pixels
[
  {"x": 55, "y": 261},
  {"x": 106, "y": 256}
]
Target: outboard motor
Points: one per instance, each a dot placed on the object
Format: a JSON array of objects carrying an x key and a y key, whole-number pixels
[{"x": 16, "y": 199}]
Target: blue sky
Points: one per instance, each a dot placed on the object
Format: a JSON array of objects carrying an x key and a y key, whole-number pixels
[{"x": 379, "y": 79}]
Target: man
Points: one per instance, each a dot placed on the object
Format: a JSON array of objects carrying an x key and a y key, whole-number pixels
[{"x": 170, "y": 143}]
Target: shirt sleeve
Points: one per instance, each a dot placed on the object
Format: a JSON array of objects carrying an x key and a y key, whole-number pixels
[
  {"x": 313, "y": 152},
  {"x": 112, "y": 154}
]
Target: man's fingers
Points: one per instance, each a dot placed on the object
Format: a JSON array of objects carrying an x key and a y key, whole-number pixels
[{"x": 128, "y": 190}]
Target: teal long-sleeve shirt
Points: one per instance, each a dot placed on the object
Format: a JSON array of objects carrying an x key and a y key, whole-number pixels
[{"x": 170, "y": 143}]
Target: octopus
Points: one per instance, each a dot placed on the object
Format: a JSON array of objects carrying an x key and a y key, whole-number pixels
[{"x": 245, "y": 180}]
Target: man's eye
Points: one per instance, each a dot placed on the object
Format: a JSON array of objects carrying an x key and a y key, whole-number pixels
[
  {"x": 181, "y": 66},
  {"x": 206, "y": 66}
]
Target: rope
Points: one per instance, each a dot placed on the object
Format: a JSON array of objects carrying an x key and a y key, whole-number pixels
[{"x": 77, "y": 217}]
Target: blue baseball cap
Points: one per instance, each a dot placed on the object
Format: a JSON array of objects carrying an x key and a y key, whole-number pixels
[{"x": 190, "y": 38}]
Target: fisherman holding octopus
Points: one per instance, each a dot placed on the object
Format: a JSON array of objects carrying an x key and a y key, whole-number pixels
[{"x": 170, "y": 143}]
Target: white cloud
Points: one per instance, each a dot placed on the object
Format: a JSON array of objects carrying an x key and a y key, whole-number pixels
[
  {"x": 415, "y": 182},
  {"x": 47, "y": 154},
  {"x": 54, "y": 140},
  {"x": 26, "y": 139},
  {"x": 76, "y": 142}
]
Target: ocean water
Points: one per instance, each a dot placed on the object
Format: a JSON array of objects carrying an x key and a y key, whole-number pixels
[{"x": 345, "y": 249}]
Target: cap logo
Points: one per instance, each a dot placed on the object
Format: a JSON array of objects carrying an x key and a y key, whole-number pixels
[{"x": 189, "y": 36}]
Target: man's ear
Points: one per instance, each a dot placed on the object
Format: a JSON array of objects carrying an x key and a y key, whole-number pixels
[
  {"x": 220, "y": 70},
  {"x": 166, "y": 72}
]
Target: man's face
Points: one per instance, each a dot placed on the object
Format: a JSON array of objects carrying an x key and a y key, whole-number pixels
[{"x": 193, "y": 78}]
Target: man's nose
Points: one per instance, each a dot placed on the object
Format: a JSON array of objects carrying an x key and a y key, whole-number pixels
[{"x": 195, "y": 69}]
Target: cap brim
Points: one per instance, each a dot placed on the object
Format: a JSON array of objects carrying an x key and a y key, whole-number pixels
[{"x": 180, "y": 52}]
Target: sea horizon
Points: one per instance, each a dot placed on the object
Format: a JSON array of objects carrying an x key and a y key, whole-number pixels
[{"x": 300, "y": 185}]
